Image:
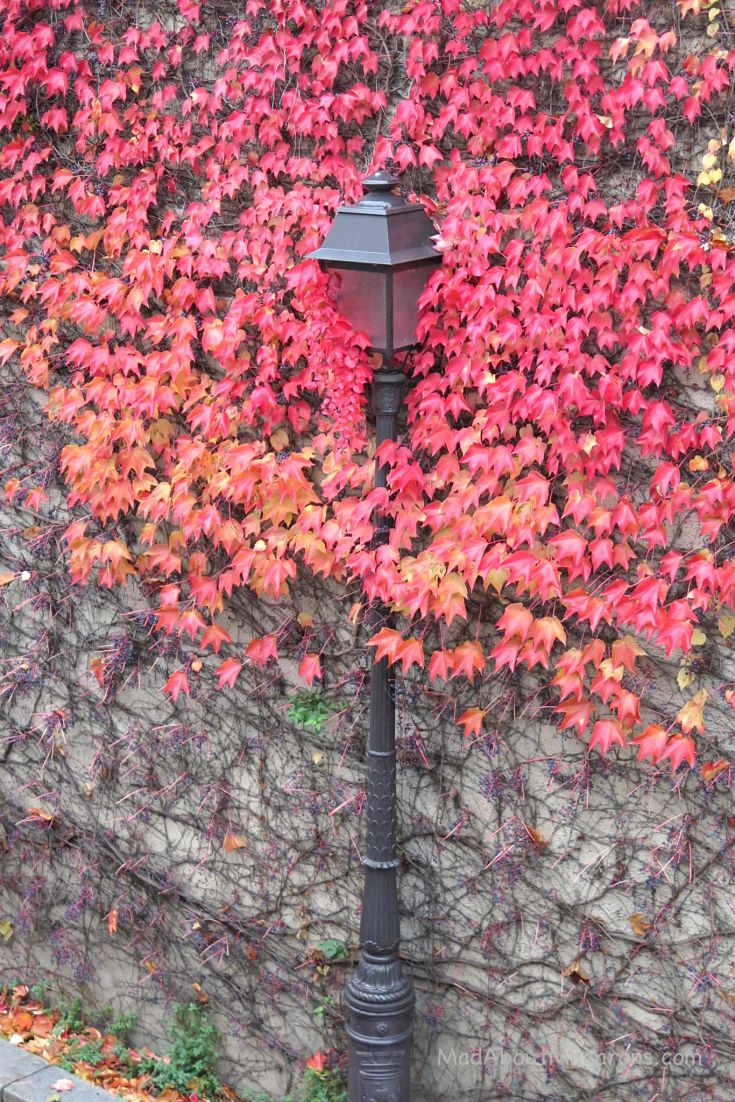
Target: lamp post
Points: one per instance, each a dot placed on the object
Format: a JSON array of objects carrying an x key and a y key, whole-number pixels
[{"x": 381, "y": 249}]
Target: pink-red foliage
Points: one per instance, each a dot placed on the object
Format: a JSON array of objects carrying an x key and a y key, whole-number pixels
[{"x": 152, "y": 244}]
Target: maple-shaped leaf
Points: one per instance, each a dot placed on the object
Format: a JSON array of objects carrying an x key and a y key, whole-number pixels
[
  {"x": 261, "y": 650},
  {"x": 575, "y": 713},
  {"x": 516, "y": 622},
  {"x": 691, "y": 714},
  {"x": 214, "y": 636},
  {"x": 471, "y": 720},
  {"x": 440, "y": 663},
  {"x": 651, "y": 742},
  {"x": 227, "y": 671},
  {"x": 7, "y": 348},
  {"x": 317, "y": 1062},
  {"x": 191, "y": 622},
  {"x": 680, "y": 748},
  {"x": 604, "y": 733},
  {"x": 177, "y": 683},
  {"x": 506, "y": 653},
  {"x": 625, "y": 651},
  {"x": 546, "y": 631},
  {"x": 410, "y": 652},
  {"x": 469, "y": 658},
  {"x": 310, "y": 668},
  {"x": 387, "y": 644}
]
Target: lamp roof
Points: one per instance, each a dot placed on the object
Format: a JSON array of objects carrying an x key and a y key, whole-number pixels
[{"x": 381, "y": 231}]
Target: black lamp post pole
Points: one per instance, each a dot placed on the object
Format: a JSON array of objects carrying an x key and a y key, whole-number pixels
[{"x": 379, "y": 999}]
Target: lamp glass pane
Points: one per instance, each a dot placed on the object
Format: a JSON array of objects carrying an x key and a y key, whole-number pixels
[
  {"x": 408, "y": 284},
  {"x": 361, "y": 299}
]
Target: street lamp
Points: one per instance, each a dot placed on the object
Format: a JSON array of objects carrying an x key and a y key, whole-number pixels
[{"x": 381, "y": 250}]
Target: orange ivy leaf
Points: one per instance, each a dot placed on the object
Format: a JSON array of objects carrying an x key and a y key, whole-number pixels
[
  {"x": 232, "y": 842},
  {"x": 680, "y": 748},
  {"x": 228, "y": 672},
  {"x": 260, "y": 651},
  {"x": 177, "y": 683},
  {"x": 471, "y": 720},
  {"x": 651, "y": 742},
  {"x": 310, "y": 668},
  {"x": 604, "y": 733},
  {"x": 387, "y": 643},
  {"x": 468, "y": 659},
  {"x": 214, "y": 636}
]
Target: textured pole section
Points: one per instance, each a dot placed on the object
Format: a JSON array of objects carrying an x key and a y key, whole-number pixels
[{"x": 379, "y": 999}]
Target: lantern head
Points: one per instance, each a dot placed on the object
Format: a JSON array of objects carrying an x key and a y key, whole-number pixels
[{"x": 381, "y": 249}]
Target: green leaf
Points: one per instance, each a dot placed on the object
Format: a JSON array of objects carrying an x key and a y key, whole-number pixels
[{"x": 333, "y": 949}]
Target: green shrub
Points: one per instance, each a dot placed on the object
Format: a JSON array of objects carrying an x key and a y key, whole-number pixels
[
  {"x": 71, "y": 1016},
  {"x": 329, "y": 1085},
  {"x": 90, "y": 1052},
  {"x": 192, "y": 1060},
  {"x": 309, "y": 710}
]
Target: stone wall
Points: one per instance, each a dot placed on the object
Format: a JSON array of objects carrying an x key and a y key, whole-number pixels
[{"x": 568, "y": 920}]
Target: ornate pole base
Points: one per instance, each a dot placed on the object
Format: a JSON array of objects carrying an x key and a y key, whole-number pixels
[{"x": 379, "y": 1002}]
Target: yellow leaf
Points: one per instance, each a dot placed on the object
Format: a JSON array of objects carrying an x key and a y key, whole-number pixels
[
  {"x": 161, "y": 431},
  {"x": 684, "y": 677},
  {"x": 6, "y": 930},
  {"x": 726, "y": 624},
  {"x": 691, "y": 715},
  {"x": 698, "y": 638},
  {"x": 279, "y": 440},
  {"x": 703, "y": 179},
  {"x": 713, "y": 30},
  {"x": 316, "y": 758},
  {"x": 639, "y": 924},
  {"x": 709, "y": 160},
  {"x": 698, "y": 463},
  {"x": 497, "y": 579},
  {"x": 717, "y": 382}
]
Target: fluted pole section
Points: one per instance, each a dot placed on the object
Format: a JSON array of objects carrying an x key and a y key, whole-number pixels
[{"x": 379, "y": 999}]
